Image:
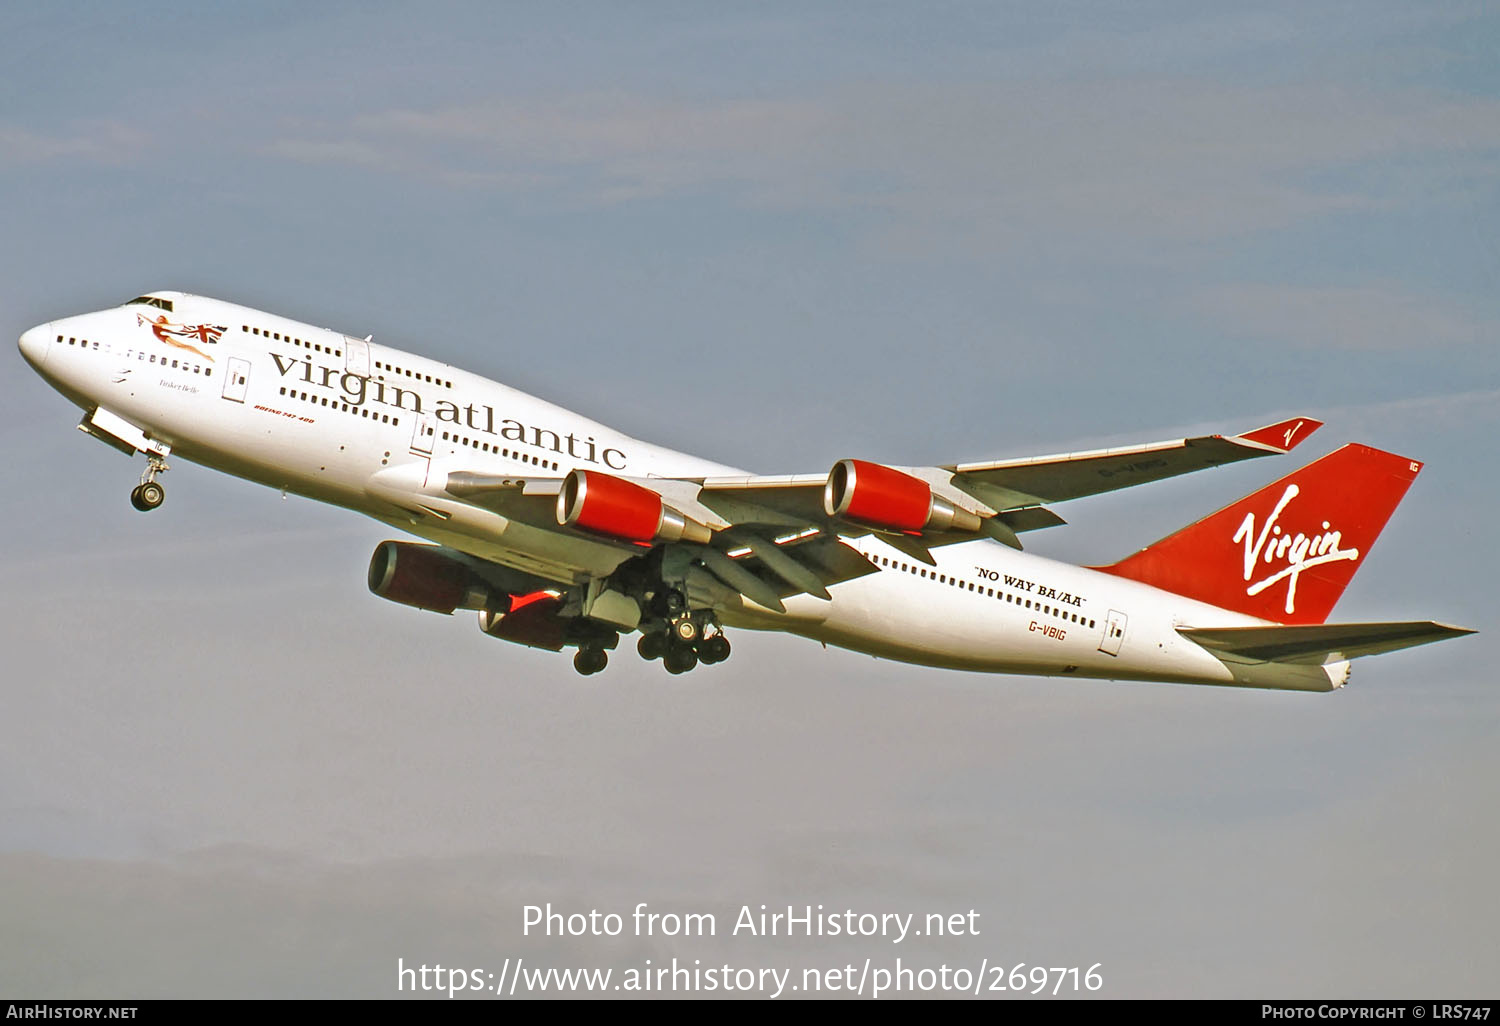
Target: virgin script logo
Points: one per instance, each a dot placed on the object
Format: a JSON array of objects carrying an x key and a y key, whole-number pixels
[{"x": 1300, "y": 551}]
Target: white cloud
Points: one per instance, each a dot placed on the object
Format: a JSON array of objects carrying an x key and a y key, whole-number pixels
[{"x": 103, "y": 142}]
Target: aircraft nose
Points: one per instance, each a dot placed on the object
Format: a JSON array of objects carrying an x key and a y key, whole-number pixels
[{"x": 34, "y": 346}]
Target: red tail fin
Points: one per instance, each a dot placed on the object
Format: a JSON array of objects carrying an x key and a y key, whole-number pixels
[{"x": 1287, "y": 552}]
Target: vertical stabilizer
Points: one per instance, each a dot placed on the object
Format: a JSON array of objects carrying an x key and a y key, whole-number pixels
[{"x": 1287, "y": 552}]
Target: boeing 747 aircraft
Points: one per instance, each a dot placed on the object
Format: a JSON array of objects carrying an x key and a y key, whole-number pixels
[{"x": 564, "y": 533}]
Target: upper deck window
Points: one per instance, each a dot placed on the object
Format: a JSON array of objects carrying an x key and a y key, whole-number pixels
[{"x": 160, "y": 304}]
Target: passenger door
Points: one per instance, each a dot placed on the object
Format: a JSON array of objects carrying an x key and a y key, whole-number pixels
[
  {"x": 1114, "y": 633},
  {"x": 357, "y": 356},
  {"x": 237, "y": 379},
  {"x": 422, "y": 434}
]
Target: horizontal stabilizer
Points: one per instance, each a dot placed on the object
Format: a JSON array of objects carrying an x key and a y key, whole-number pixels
[{"x": 1317, "y": 644}]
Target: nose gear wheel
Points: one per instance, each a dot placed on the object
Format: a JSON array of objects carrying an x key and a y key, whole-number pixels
[{"x": 148, "y": 495}]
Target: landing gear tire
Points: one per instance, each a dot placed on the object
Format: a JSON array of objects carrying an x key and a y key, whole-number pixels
[
  {"x": 713, "y": 650},
  {"x": 652, "y": 646},
  {"x": 679, "y": 659},
  {"x": 590, "y": 660},
  {"x": 148, "y": 496}
]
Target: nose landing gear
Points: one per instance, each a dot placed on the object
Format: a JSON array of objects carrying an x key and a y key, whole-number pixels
[{"x": 148, "y": 495}]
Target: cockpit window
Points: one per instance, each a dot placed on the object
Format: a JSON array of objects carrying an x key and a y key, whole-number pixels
[{"x": 160, "y": 304}]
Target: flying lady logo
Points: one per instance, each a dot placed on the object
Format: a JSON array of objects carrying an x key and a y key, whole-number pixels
[
  {"x": 176, "y": 335},
  {"x": 1300, "y": 551}
]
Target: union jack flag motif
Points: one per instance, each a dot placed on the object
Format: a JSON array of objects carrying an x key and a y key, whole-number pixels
[{"x": 175, "y": 335}]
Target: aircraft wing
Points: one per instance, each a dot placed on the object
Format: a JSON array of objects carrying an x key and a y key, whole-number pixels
[
  {"x": 1317, "y": 644},
  {"x": 1014, "y": 491},
  {"x": 755, "y": 558},
  {"x": 768, "y": 537},
  {"x": 1040, "y": 479}
]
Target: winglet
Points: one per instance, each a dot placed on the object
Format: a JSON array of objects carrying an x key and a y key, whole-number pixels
[{"x": 1283, "y": 437}]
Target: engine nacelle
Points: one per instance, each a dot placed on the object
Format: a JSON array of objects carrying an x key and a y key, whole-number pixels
[
  {"x": 886, "y": 499},
  {"x": 622, "y": 509},
  {"x": 534, "y": 621},
  {"x": 425, "y": 576}
]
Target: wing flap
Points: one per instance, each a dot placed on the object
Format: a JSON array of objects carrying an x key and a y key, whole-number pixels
[
  {"x": 1317, "y": 644},
  {"x": 821, "y": 562},
  {"x": 786, "y": 567}
]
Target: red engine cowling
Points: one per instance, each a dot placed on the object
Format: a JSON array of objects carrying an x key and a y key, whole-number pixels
[
  {"x": 879, "y": 497},
  {"x": 532, "y": 621},
  {"x": 426, "y": 577},
  {"x": 617, "y": 508}
]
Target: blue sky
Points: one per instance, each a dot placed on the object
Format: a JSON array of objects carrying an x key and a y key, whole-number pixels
[{"x": 776, "y": 236}]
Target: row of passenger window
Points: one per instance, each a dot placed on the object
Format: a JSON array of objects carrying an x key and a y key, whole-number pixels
[
  {"x": 316, "y": 347},
  {"x": 483, "y": 446},
  {"x": 176, "y": 363},
  {"x": 411, "y": 374},
  {"x": 1000, "y": 594},
  {"x": 342, "y": 407}
]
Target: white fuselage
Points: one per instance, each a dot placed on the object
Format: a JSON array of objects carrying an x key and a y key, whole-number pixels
[{"x": 353, "y": 423}]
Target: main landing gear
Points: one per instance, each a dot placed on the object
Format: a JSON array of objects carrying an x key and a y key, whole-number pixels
[
  {"x": 590, "y": 660},
  {"x": 672, "y": 629},
  {"x": 684, "y": 644},
  {"x": 148, "y": 495}
]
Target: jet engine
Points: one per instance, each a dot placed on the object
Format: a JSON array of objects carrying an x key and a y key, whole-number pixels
[
  {"x": 888, "y": 500},
  {"x": 425, "y": 576},
  {"x": 617, "y": 508}
]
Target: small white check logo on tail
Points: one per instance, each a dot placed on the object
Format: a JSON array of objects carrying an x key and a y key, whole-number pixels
[
  {"x": 1292, "y": 431},
  {"x": 1301, "y": 551}
]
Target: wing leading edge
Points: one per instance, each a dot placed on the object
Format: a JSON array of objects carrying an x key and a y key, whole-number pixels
[
  {"x": 1042, "y": 479},
  {"x": 1015, "y": 491}
]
